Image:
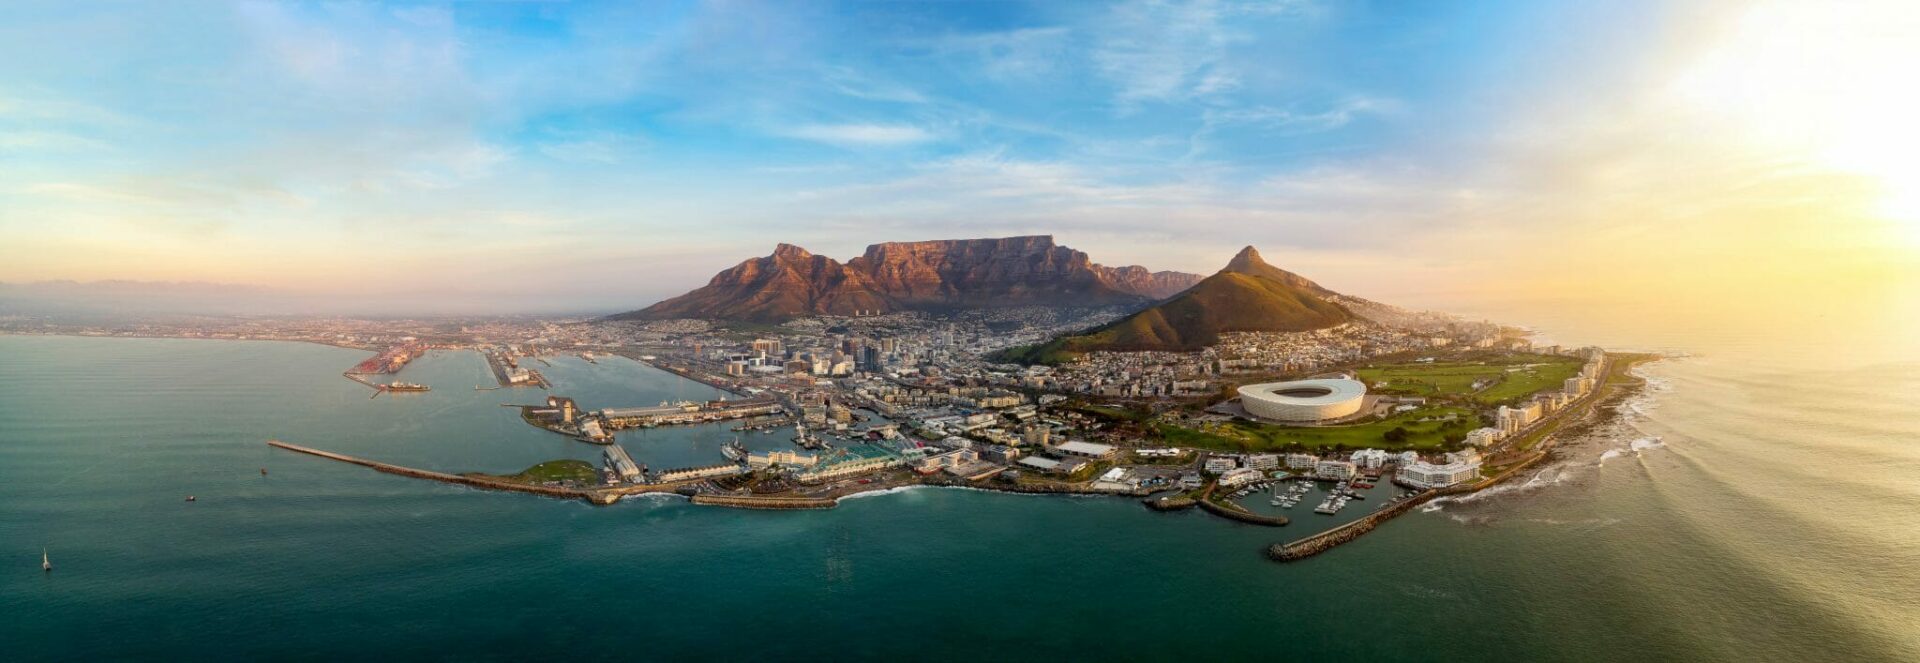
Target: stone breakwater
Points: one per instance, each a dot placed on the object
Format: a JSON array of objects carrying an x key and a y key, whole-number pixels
[
  {"x": 590, "y": 495},
  {"x": 758, "y": 502},
  {"x": 1170, "y": 503},
  {"x": 1237, "y": 514},
  {"x": 1312, "y": 545}
]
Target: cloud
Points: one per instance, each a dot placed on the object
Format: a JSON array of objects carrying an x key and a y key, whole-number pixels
[
  {"x": 599, "y": 147},
  {"x": 21, "y": 141},
  {"x": 1008, "y": 55},
  {"x": 850, "y": 82},
  {"x": 861, "y": 135},
  {"x": 1153, "y": 50}
]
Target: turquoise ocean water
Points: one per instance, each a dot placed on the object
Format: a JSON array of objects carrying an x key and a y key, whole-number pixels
[{"x": 1732, "y": 516}]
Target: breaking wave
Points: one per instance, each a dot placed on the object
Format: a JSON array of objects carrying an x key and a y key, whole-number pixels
[{"x": 883, "y": 491}]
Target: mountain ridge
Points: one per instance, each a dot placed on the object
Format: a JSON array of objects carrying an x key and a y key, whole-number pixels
[{"x": 935, "y": 275}]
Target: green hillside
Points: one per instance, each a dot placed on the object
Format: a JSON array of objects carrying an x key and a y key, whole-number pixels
[{"x": 1247, "y": 296}]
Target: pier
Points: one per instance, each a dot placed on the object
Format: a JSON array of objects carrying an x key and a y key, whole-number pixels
[{"x": 1318, "y": 543}]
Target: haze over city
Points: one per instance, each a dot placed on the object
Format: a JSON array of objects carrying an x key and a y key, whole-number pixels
[{"x": 595, "y": 157}]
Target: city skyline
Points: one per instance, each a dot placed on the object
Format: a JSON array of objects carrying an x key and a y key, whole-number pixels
[{"x": 481, "y": 157}]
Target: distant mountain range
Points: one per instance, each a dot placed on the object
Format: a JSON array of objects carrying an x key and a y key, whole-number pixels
[
  {"x": 1247, "y": 295},
  {"x": 936, "y": 276}
]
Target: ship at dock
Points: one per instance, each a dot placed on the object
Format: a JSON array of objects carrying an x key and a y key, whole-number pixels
[{"x": 405, "y": 386}]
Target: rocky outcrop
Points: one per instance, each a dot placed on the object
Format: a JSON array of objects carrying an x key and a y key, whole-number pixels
[
  {"x": 1140, "y": 280},
  {"x": 939, "y": 275}
]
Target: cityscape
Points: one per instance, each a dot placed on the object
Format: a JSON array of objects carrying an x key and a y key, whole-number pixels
[{"x": 883, "y": 330}]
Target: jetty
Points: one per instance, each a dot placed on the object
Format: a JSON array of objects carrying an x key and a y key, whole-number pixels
[
  {"x": 1318, "y": 543},
  {"x": 591, "y": 495}
]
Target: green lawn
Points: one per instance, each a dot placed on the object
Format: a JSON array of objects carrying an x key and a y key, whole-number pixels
[
  {"x": 1109, "y": 412},
  {"x": 1512, "y": 377},
  {"x": 1427, "y": 428},
  {"x": 558, "y": 470},
  {"x": 1531, "y": 378}
]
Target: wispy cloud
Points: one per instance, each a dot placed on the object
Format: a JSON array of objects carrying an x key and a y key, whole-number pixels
[
  {"x": 861, "y": 135},
  {"x": 1154, "y": 50}
]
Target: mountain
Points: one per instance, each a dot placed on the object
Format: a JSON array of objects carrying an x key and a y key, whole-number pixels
[
  {"x": 1158, "y": 285},
  {"x": 1248, "y": 295},
  {"x": 940, "y": 275},
  {"x": 773, "y": 288}
]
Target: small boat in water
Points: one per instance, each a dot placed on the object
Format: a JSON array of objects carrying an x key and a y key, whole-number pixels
[
  {"x": 45, "y": 564},
  {"x": 189, "y": 498}
]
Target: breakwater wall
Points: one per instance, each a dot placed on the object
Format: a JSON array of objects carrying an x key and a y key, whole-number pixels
[
  {"x": 591, "y": 496},
  {"x": 1170, "y": 503},
  {"x": 758, "y": 502},
  {"x": 1242, "y": 515},
  {"x": 1318, "y": 543}
]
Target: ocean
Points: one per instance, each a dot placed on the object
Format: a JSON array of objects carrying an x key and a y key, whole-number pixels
[{"x": 1746, "y": 507}]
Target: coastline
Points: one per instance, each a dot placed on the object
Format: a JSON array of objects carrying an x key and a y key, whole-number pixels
[{"x": 1624, "y": 381}]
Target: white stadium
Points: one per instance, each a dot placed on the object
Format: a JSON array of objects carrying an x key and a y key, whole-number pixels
[{"x": 1304, "y": 400}]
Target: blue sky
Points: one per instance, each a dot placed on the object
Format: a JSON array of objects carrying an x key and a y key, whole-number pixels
[{"x": 623, "y": 152}]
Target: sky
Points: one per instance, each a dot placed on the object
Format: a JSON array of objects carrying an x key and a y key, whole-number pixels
[{"x": 560, "y": 156}]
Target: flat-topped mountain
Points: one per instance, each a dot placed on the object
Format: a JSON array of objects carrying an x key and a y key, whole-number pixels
[
  {"x": 940, "y": 275},
  {"x": 1248, "y": 295}
]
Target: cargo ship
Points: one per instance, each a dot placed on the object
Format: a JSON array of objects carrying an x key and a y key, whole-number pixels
[{"x": 406, "y": 386}]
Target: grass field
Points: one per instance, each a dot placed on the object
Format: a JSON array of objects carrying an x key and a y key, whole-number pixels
[
  {"x": 1427, "y": 428},
  {"x": 1508, "y": 378},
  {"x": 557, "y": 470}
]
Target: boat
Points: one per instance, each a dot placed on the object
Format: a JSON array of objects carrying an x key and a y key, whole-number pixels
[
  {"x": 263, "y": 471},
  {"x": 45, "y": 564},
  {"x": 189, "y": 498},
  {"x": 734, "y": 451},
  {"x": 406, "y": 386}
]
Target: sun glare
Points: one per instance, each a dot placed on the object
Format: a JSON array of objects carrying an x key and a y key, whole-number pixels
[{"x": 1830, "y": 83}]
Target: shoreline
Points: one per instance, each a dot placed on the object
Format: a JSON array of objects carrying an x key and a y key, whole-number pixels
[{"x": 1623, "y": 382}]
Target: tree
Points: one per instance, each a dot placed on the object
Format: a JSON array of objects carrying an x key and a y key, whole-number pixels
[{"x": 1398, "y": 434}]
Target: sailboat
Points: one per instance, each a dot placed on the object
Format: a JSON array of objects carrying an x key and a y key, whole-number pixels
[{"x": 45, "y": 564}]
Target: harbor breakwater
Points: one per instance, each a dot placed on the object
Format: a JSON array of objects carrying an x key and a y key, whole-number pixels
[
  {"x": 763, "y": 502},
  {"x": 1318, "y": 543},
  {"x": 1240, "y": 515},
  {"x": 590, "y": 495}
]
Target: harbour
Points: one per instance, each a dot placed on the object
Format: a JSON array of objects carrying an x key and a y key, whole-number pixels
[{"x": 294, "y": 528}]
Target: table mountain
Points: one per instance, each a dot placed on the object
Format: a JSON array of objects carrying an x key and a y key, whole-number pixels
[{"x": 941, "y": 275}]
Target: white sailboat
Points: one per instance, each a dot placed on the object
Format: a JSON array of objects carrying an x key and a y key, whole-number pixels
[{"x": 45, "y": 564}]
